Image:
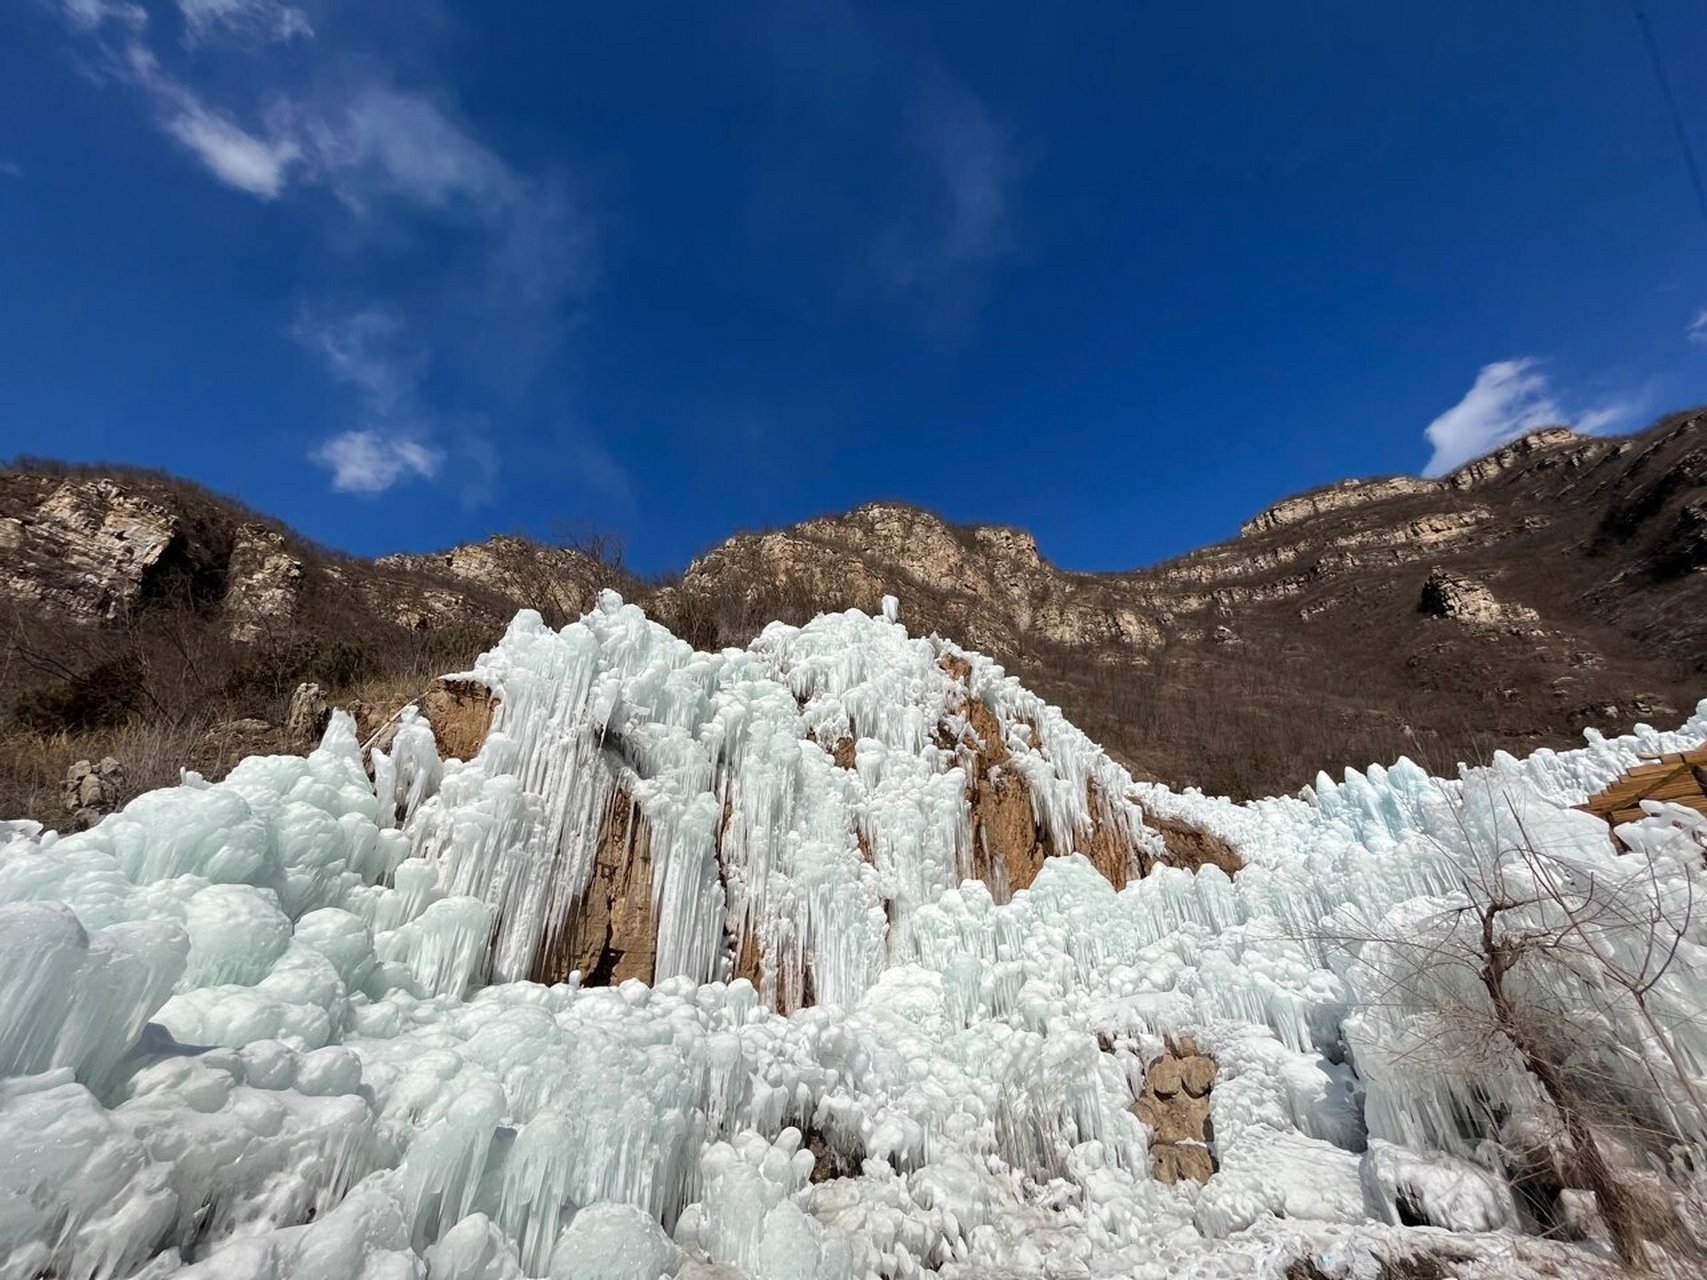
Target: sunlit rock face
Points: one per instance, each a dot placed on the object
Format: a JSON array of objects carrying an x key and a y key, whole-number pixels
[
  {"x": 839, "y": 955},
  {"x": 86, "y": 547}
]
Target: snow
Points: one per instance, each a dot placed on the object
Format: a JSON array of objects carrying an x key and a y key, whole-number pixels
[{"x": 282, "y": 1025}]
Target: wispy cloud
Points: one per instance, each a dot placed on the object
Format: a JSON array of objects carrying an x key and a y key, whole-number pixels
[
  {"x": 370, "y": 349},
  {"x": 373, "y": 351},
  {"x": 91, "y": 15},
  {"x": 260, "y": 21},
  {"x": 1697, "y": 331},
  {"x": 10, "y": 170},
  {"x": 1510, "y": 398},
  {"x": 371, "y": 461},
  {"x": 381, "y": 159},
  {"x": 935, "y": 256}
]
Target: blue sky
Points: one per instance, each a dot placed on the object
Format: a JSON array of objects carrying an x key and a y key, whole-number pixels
[{"x": 405, "y": 274}]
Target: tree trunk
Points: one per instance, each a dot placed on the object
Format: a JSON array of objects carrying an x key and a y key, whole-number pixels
[{"x": 1616, "y": 1209}]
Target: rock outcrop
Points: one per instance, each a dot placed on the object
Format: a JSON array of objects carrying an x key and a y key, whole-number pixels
[
  {"x": 1175, "y": 1104},
  {"x": 610, "y": 935},
  {"x": 92, "y": 790},
  {"x": 86, "y": 548},
  {"x": 460, "y": 712},
  {"x": 1454, "y": 595},
  {"x": 264, "y": 584},
  {"x": 306, "y": 717},
  {"x": 1241, "y": 667},
  {"x": 1336, "y": 497}
]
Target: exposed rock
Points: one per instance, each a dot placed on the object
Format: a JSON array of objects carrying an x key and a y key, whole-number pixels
[
  {"x": 305, "y": 719},
  {"x": 560, "y": 582},
  {"x": 610, "y": 935},
  {"x": 1175, "y": 1104},
  {"x": 1111, "y": 847},
  {"x": 829, "y": 1162},
  {"x": 460, "y": 712},
  {"x": 1603, "y": 539},
  {"x": 263, "y": 583},
  {"x": 1336, "y": 497},
  {"x": 92, "y": 790},
  {"x": 1009, "y": 845},
  {"x": 86, "y": 549},
  {"x": 1454, "y": 595},
  {"x": 1191, "y": 847},
  {"x": 1508, "y": 456}
]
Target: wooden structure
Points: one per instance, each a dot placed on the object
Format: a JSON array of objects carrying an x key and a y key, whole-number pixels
[{"x": 1679, "y": 778}]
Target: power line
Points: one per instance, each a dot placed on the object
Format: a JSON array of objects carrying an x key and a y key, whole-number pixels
[{"x": 1672, "y": 108}]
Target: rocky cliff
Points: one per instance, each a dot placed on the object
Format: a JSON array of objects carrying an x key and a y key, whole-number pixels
[{"x": 1558, "y": 581}]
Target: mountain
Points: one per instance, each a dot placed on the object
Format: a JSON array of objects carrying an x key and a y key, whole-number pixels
[
  {"x": 1556, "y": 583},
  {"x": 841, "y": 955}
]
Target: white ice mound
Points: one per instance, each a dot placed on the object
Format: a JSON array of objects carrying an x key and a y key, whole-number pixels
[{"x": 284, "y": 1024}]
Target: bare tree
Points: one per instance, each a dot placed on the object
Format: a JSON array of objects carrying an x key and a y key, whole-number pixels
[{"x": 1564, "y": 967}]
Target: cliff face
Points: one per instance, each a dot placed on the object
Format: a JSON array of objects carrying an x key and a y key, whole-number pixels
[
  {"x": 1559, "y": 581},
  {"x": 1573, "y": 570}
]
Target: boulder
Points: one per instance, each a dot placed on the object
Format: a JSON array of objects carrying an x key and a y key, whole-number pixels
[
  {"x": 1175, "y": 1104},
  {"x": 460, "y": 712},
  {"x": 92, "y": 790},
  {"x": 1454, "y": 595},
  {"x": 305, "y": 720}
]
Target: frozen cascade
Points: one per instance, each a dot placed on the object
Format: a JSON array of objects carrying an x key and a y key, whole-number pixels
[{"x": 285, "y": 1024}]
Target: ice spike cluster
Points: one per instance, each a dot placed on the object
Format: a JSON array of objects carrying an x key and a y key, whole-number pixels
[{"x": 289, "y": 1024}]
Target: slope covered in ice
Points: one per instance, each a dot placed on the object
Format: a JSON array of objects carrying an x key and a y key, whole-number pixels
[{"x": 904, "y": 947}]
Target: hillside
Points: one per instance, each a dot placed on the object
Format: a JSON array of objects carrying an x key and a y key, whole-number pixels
[{"x": 1570, "y": 591}]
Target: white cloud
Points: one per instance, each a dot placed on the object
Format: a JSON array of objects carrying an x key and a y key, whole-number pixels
[
  {"x": 1697, "y": 331},
  {"x": 379, "y": 146},
  {"x": 11, "y": 170},
  {"x": 237, "y": 158},
  {"x": 370, "y": 349},
  {"x": 254, "y": 20},
  {"x": 371, "y": 145},
  {"x": 1509, "y": 398},
  {"x": 374, "y": 351},
  {"x": 385, "y": 161},
  {"x": 371, "y": 461}
]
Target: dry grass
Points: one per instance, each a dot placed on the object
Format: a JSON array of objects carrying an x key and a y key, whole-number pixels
[{"x": 33, "y": 765}]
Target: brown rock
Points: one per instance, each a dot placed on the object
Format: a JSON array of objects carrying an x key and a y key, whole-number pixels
[
  {"x": 1175, "y": 1104},
  {"x": 1183, "y": 1160},
  {"x": 1164, "y": 1079},
  {"x": 610, "y": 934},
  {"x": 1197, "y": 1074},
  {"x": 92, "y": 790},
  {"x": 1191, "y": 847},
  {"x": 460, "y": 712},
  {"x": 956, "y": 666},
  {"x": 89, "y": 548},
  {"x": 1110, "y": 845}
]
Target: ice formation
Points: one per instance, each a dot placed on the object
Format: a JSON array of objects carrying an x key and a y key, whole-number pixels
[{"x": 287, "y": 1024}]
